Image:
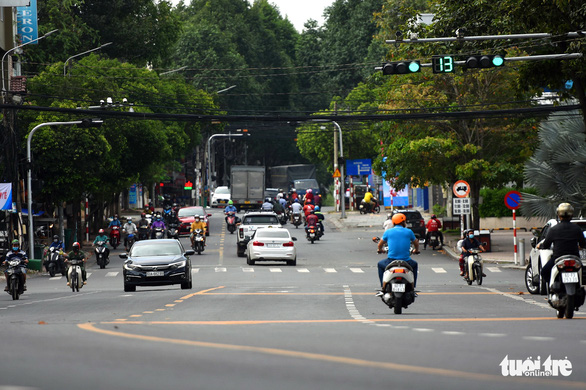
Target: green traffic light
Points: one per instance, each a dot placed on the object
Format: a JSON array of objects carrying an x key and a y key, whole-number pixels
[
  {"x": 498, "y": 61},
  {"x": 414, "y": 67}
]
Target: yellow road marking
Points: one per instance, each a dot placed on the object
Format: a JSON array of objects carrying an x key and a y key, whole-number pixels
[
  {"x": 342, "y": 360},
  {"x": 170, "y": 305},
  {"x": 136, "y": 315},
  {"x": 179, "y": 300},
  {"x": 201, "y": 292},
  {"x": 147, "y": 312},
  {"x": 159, "y": 309}
]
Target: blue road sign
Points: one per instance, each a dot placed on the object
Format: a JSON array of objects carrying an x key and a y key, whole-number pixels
[
  {"x": 513, "y": 200},
  {"x": 358, "y": 167}
]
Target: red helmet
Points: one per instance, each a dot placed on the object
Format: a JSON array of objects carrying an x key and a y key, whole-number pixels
[
  {"x": 75, "y": 245},
  {"x": 101, "y": 231}
]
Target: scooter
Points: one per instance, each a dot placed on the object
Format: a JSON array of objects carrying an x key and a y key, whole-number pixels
[
  {"x": 297, "y": 220},
  {"x": 15, "y": 278},
  {"x": 54, "y": 261},
  {"x": 159, "y": 233},
  {"x": 434, "y": 241},
  {"x": 398, "y": 280},
  {"x": 566, "y": 291},
  {"x": 173, "y": 231},
  {"x": 312, "y": 233},
  {"x": 74, "y": 275},
  {"x": 474, "y": 267},
  {"x": 143, "y": 233},
  {"x": 231, "y": 221},
  {"x": 198, "y": 241},
  {"x": 373, "y": 207},
  {"x": 115, "y": 236},
  {"x": 130, "y": 240},
  {"x": 101, "y": 257}
]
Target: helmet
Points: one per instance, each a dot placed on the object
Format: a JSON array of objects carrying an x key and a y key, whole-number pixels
[
  {"x": 293, "y": 190},
  {"x": 316, "y": 208},
  {"x": 101, "y": 231},
  {"x": 399, "y": 218},
  {"x": 565, "y": 210},
  {"x": 389, "y": 216},
  {"x": 267, "y": 199},
  {"x": 433, "y": 216},
  {"x": 75, "y": 245},
  {"x": 309, "y": 191},
  {"x": 280, "y": 190},
  {"x": 15, "y": 242},
  {"x": 128, "y": 220},
  {"x": 296, "y": 200},
  {"x": 115, "y": 216},
  {"x": 196, "y": 217},
  {"x": 55, "y": 238},
  {"x": 230, "y": 202},
  {"x": 142, "y": 215}
]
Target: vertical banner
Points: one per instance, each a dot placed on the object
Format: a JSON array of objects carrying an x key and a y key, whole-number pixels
[
  {"x": 132, "y": 194},
  {"x": 5, "y": 196},
  {"x": 26, "y": 23}
]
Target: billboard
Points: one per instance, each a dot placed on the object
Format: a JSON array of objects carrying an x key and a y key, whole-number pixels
[{"x": 5, "y": 196}]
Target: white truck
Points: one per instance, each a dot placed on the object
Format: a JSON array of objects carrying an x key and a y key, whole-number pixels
[{"x": 247, "y": 184}]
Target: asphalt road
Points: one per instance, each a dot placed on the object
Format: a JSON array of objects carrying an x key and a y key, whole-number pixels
[{"x": 273, "y": 326}]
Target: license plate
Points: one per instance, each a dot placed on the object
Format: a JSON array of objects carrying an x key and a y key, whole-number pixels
[
  {"x": 311, "y": 235},
  {"x": 273, "y": 245},
  {"x": 570, "y": 277},
  {"x": 221, "y": 201},
  {"x": 155, "y": 273},
  {"x": 398, "y": 288}
]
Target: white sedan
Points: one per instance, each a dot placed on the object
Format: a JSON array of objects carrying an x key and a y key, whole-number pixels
[
  {"x": 220, "y": 197},
  {"x": 271, "y": 244}
]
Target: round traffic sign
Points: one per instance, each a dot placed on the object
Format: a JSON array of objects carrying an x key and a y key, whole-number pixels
[
  {"x": 461, "y": 189},
  {"x": 513, "y": 200}
]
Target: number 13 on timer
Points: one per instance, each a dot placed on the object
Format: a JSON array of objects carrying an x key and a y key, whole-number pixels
[{"x": 442, "y": 64}]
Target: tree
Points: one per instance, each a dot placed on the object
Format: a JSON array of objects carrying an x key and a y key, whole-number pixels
[{"x": 556, "y": 169}]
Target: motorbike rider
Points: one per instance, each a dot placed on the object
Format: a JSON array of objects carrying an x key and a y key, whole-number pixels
[
  {"x": 296, "y": 208},
  {"x": 143, "y": 224},
  {"x": 368, "y": 197},
  {"x": 388, "y": 223},
  {"x": 293, "y": 194},
  {"x": 103, "y": 237},
  {"x": 320, "y": 217},
  {"x": 15, "y": 252},
  {"x": 567, "y": 238},
  {"x": 311, "y": 220},
  {"x": 157, "y": 224},
  {"x": 468, "y": 244},
  {"x": 57, "y": 244},
  {"x": 231, "y": 209},
  {"x": 114, "y": 222},
  {"x": 129, "y": 228},
  {"x": 77, "y": 254},
  {"x": 398, "y": 240},
  {"x": 308, "y": 208},
  {"x": 198, "y": 224},
  {"x": 308, "y": 196},
  {"x": 434, "y": 225},
  {"x": 267, "y": 205}
]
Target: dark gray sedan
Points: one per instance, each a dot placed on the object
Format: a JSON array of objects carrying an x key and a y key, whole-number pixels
[{"x": 157, "y": 263}]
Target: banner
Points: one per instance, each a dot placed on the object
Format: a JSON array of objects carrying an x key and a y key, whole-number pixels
[
  {"x": 5, "y": 196},
  {"x": 26, "y": 23}
]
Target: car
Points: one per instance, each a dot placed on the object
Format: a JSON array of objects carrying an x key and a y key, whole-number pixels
[
  {"x": 157, "y": 263},
  {"x": 187, "y": 215},
  {"x": 220, "y": 197},
  {"x": 269, "y": 244},
  {"x": 250, "y": 222},
  {"x": 538, "y": 257},
  {"x": 271, "y": 193},
  {"x": 415, "y": 221}
]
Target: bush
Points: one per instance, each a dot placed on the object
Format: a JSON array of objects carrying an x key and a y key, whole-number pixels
[{"x": 493, "y": 202}]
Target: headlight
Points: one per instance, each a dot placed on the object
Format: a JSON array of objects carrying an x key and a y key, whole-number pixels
[
  {"x": 178, "y": 264},
  {"x": 130, "y": 266}
]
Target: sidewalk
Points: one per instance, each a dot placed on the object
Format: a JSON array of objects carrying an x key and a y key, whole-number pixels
[{"x": 502, "y": 246}]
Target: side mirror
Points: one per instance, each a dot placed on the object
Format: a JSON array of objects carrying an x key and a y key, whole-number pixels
[
  {"x": 123, "y": 255},
  {"x": 534, "y": 241},
  {"x": 209, "y": 215},
  {"x": 189, "y": 252},
  {"x": 294, "y": 238}
]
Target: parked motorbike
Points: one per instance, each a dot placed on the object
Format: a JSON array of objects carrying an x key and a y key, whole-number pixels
[
  {"x": 566, "y": 291},
  {"x": 15, "y": 276},
  {"x": 159, "y": 232},
  {"x": 231, "y": 221},
  {"x": 198, "y": 241},
  {"x": 474, "y": 267},
  {"x": 101, "y": 256},
  {"x": 297, "y": 220},
  {"x": 74, "y": 275},
  {"x": 434, "y": 241},
  {"x": 115, "y": 236},
  {"x": 312, "y": 233},
  {"x": 366, "y": 208},
  {"x": 143, "y": 233},
  {"x": 54, "y": 261},
  {"x": 398, "y": 292},
  {"x": 173, "y": 231}
]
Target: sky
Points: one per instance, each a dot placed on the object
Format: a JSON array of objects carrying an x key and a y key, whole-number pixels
[{"x": 297, "y": 11}]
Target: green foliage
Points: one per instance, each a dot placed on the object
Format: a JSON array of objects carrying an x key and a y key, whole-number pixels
[
  {"x": 493, "y": 202},
  {"x": 438, "y": 210}
]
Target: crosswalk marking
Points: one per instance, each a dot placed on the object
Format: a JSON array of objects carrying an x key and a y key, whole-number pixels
[
  {"x": 112, "y": 274},
  {"x": 493, "y": 269},
  {"x": 439, "y": 270},
  {"x": 357, "y": 270},
  {"x": 330, "y": 270},
  {"x": 221, "y": 269}
]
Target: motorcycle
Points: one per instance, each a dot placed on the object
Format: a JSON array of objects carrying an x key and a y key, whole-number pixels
[
  {"x": 159, "y": 233},
  {"x": 15, "y": 278},
  {"x": 566, "y": 291},
  {"x": 366, "y": 208},
  {"x": 74, "y": 275},
  {"x": 297, "y": 220},
  {"x": 474, "y": 268},
  {"x": 282, "y": 217},
  {"x": 173, "y": 231},
  {"x": 143, "y": 233},
  {"x": 231, "y": 222},
  {"x": 54, "y": 261},
  {"x": 313, "y": 233},
  {"x": 385, "y": 248},
  {"x": 101, "y": 257},
  {"x": 130, "y": 240},
  {"x": 398, "y": 293},
  {"x": 434, "y": 241},
  {"x": 198, "y": 241},
  {"x": 115, "y": 236}
]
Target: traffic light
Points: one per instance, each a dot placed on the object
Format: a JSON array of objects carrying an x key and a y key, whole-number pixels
[
  {"x": 485, "y": 61},
  {"x": 401, "y": 67},
  {"x": 188, "y": 185},
  {"x": 442, "y": 64}
]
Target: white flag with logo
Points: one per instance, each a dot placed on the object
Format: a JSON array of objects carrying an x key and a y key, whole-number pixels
[{"x": 5, "y": 196}]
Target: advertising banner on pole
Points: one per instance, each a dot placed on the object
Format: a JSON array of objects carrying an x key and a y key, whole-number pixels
[
  {"x": 26, "y": 22},
  {"x": 5, "y": 196}
]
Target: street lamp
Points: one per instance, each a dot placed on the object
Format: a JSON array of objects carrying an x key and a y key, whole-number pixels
[
  {"x": 80, "y": 54},
  {"x": 17, "y": 47},
  {"x": 85, "y": 122}
]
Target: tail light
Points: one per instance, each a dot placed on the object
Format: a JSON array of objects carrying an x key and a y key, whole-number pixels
[
  {"x": 569, "y": 264},
  {"x": 258, "y": 243},
  {"x": 399, "y": 271},
  {"x": 241, "y": 232},
  {"x": 398, "y": 278},
  {"x": 290, "y": 243},
  {"x": 312, "y": 230},
  {"x": 421, "y": 222}
]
